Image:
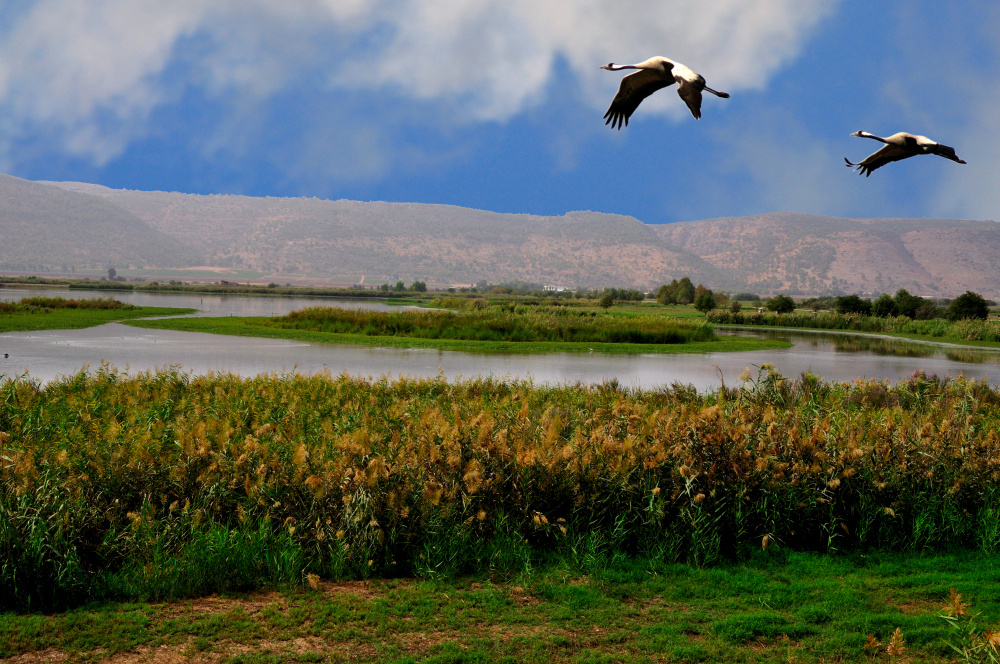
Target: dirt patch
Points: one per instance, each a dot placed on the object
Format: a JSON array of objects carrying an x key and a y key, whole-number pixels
[
  {"x": 363, "y": 589},
  {"x": 49, "y": 655},
  {"x": 927, "y": 606},
  {"x": 523, "y": 597}
]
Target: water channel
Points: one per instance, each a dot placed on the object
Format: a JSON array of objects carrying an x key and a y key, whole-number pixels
[{"x": 51, "y": 354}]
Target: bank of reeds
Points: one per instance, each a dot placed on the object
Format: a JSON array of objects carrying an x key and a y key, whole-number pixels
[
  {"x": 166, "y": 485},
  {"x": 515, "y": 323},
  {"x": 36, "y": 304},
  {"x": 965, "y": 330}
]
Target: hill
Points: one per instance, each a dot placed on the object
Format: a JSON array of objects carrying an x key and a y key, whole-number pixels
[
  {"x": 320, "y": 241},
  {"x": 46, "y": 228},
  {"x": 801, "y": 253}
]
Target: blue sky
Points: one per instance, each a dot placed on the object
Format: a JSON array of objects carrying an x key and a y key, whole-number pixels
[{"x": 498, "y": 104}]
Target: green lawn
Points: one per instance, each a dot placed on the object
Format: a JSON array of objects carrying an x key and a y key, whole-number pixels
[
  {"x": 66, "y": 319},
  {"x": 776, "y": 608},
  {"x": 258, "y": 327}
]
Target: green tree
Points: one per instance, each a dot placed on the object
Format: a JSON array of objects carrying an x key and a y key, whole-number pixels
[
  {"x": 780, "y": 304},
  {"x": 419, "y": 286},
  {"x": 667, "y": 293},
  {"x": 927, "y": 311},
  {"x": 400, "y": 286},
  {"x": 906, "y": 304},
  {"x": 883, "y": 306},
  {"x": 704, "y": 301},
  {"x": 607, "y": 299},
  {"x": 384, "y": 288},
  {"x": 852, "y": 304},
  {"x": 735, "y": 306},
  {"x": 685, "y": 291},
  {"x": 969, "y": 305}
]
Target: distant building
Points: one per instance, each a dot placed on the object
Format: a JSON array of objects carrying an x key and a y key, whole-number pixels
[{"x": 553, "y": 289}]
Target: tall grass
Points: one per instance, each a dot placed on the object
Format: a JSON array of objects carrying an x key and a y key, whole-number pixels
[
  {"x": 499, "y": 323},
  {"x": 966, "y": 330},
  {"x": 165, "y": 485},
  {"x": 35, "y": 304}
]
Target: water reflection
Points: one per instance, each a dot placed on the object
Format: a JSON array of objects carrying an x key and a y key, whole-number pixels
[
  {"x": 207, "y": 305},
  {"x": 847, "y": 342},
  {"x": 837, "y": 357}
]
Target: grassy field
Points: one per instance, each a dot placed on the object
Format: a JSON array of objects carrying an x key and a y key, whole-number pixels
[
  {"x": 508, "y": 328},
  {"x": 56, "y": 313},
  {"x": 774, "y": 608}
]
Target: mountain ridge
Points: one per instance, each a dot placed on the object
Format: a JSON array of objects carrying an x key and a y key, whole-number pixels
[{"x": 314, "y": 240}]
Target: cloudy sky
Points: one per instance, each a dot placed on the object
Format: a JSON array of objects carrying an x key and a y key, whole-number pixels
[{"x": 498, "y": 104}]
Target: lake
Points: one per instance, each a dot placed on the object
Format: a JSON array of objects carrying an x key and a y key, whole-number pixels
[{"x": 51, "y": 354}]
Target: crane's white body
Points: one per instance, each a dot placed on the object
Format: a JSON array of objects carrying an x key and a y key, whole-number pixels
[{"x": 900, "y": 146}]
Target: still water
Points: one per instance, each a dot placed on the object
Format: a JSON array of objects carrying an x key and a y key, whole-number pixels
[{"x": 51, "y": 354}]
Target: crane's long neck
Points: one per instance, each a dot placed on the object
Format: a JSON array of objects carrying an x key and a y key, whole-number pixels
[
  {"x": 865, "y": 134},
  {"x": 613, "y": 67}
]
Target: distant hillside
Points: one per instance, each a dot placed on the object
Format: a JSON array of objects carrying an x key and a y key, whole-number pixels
[
  {"x": 387, "y": 241},
  {"x": 47, "y": 228},
  {"x": 809, "y": 253},
  {"x": 316, "y": 241}
]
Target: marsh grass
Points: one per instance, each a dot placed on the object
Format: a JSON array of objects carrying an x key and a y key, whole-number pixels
[
  {"x": 504, "y": 328},
  {"x": 498, "y": 323},
  {"x": 57, "y": 313},
  {"x": 168, "y": 485}
]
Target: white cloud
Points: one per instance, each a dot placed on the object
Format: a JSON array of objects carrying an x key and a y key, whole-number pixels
[
  {"x": 88, "y": 73},
  {"x": 496, "y": 57}
]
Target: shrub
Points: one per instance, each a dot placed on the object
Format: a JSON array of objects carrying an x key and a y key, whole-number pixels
[
  {"x": 705, "y": 301},
  {"x": 852, "y": 304},
  {"x": 968, "y": 305},
  {"x": 781, "y": 304},
  {"x": 883, "y": 306}
]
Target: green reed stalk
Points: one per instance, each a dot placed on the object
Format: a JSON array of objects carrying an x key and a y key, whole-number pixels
[{"x": 155, "y": 485}]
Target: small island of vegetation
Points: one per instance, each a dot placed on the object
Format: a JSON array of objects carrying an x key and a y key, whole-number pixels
[
  {"x": 506, "y": 327},
  {"x": 57, "y": 313}
]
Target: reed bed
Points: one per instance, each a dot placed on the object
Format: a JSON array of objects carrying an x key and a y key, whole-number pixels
[
  {"x": 36, "y": 304},
  {"x": 517, "y": 323},
  {"x": 964, "y": 330},
  {"x": 166, "y": 485}
]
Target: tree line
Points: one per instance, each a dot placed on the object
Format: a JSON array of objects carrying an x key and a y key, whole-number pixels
[{"x": 968, "y": 305}]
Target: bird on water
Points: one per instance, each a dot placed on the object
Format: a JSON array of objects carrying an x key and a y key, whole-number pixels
[
  {"x": 655, "y": 74},
  {"x": 900, "y": 146}
]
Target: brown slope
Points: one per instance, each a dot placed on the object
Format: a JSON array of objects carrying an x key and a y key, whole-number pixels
[
  {"x": 767, "y": 253},
  {"x": 46, "y": 228},
  {"x": 440, "y": 243},
  {"x": 810, "y": 253}
]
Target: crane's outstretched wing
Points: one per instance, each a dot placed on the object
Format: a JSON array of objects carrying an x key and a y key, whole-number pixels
[
  {"x": 691, "y": 96},
  {"x": 633, "y": 89},
  {"x": 887, "y": 153},
  {"x": 946, "y": 151}
]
